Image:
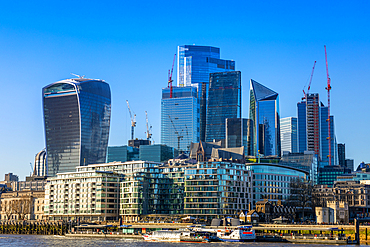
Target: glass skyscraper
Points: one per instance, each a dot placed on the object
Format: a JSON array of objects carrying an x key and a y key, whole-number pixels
[
  {"x": 77, "y": 120},
  {"x": 180, "y": 117},
  {"x": 239, "y": 132},
  {"x": 324, "y": 134},
  {"x": 288, "y": 134},
  {"x": 194, "y": 64},
  {"x": 264, "y": 112},
  {"x": 224, "y": 102}
]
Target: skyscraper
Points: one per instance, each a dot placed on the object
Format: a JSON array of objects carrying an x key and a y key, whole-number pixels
[
  {"x": 40, "y": 167},
  {"x": 77, "y": 120},
  {"x": 264, "y": 112},
  {"x": 194, "y": 64},
  {"x": 342, "y": 154},
  {"x": 224, "y": 101},
  {"x": 313, "y": 129},
  {"x": 324, "y": 134},
  {"x": 239, "y": 132},
  {"x": 288, "y": 133},
  {"x": 179, "y": 117}
]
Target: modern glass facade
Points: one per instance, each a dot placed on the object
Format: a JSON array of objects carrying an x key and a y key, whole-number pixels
[
  {"x": 324, "y": 142},
  {"x": 306, "y": 161},
  {"x": 180, "y": 117},
  {"x": 329, "y": 174},
  {"x": 302, "y": 127},
  {"x": 288, "y": 133},
  {"x": 239, "y": 132},
  {"x": 194, "y": 64},
  {"x": 77, "y": 119},
  {"x": 272, "y": 181},
  {"x": 40, "y": 167},
  {"x": 156, "y": 153},
  {"x": 342, "y": 154},
  {"x": 122, "y": 154},
  {"x": 224, "y": 101},
  {"x": 264, "y": 112}
]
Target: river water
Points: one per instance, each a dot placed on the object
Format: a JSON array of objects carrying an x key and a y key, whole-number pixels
[{"x": 47, "y": 240}]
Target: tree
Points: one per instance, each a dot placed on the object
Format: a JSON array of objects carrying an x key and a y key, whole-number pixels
[
  {"x": 8, "y": 208},
  {"x": 22, "y": 207},
  {"x": 300, "y": 194}
]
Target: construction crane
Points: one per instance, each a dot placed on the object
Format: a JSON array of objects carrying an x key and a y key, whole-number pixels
[
  {"x": 309, "y": 84},
  {"x": 133, "y": 121},
  {"x": 148, "y": 129},
  {"x": 328, "y": 88},
  {"x": 170, "y": 76},
  {"x": 179, "y": 137}
]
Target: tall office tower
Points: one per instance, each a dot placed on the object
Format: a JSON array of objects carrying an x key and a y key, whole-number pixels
[
  {"x": 324, "y": 142},
  {"x": 194, "y": 64},
  {"x": 224, "y": 101},
  {"x": 313, "y": 123},
  {"x": 40, "y": 167},
  {"x": 179, "y": 117},
  {"x": 342, "y": 154},
  {"x": 302, "y": 126},
  {"x": 288, "y": 134},
  {"x": 77, "y": 119},
  {"x": 264, "y": 112},
  {"x": 309, "y": 124},
  {"x": 239, "y": 132}
]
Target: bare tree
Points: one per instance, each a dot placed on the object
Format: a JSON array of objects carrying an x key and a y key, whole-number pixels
[
  {"x": 300, "y": 194},
  {"x": 22, "y": 207},
  {"x": 8, "y": 208}
]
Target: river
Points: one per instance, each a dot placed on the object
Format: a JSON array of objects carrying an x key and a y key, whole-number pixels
[{"x": 47, "y": 240}]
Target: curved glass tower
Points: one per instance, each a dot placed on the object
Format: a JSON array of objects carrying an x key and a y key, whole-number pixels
[
  {"x": 264, "y": 112},
  {"x": 77, "y": 119}
]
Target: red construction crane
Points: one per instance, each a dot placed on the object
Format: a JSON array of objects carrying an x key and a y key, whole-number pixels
[
  {"x": 328, "y": 88},
  {"x": 170, "y": 76},
  {"x": 309, "y": 84}
]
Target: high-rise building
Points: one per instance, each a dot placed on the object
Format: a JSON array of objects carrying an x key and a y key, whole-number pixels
[
  {"x": 194, "y": 64},
  {"x": 309, "y": 124},
  {"x": 224, "y": 101},
  {"x": 324, "y": 135},
  {"x": 77, "y": 120},
  {"x": 288, "y": 134},
  {"x": 342, "y": 154},
  {"x": 264, "y": 112},
  {"x": 313, "y": 130},
  {"x": 179, "y": 117},
  {"x": 40, "y": 167},
  {"x": 239, "y": 132}
]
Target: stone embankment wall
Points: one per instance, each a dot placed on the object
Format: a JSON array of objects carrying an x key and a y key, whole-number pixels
[{"x": 36, "y": 228}]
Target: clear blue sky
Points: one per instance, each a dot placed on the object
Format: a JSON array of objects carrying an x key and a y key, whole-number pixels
[{"x": 131, "y": 46}]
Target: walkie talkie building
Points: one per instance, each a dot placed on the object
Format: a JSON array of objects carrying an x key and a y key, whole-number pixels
[{"x": 77, "y": 119}]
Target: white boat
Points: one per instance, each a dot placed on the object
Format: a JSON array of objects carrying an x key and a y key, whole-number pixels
[
  {"x": 239, "y": 234},
  {"x": 181, "y": 236},
  {"x": 167, "y": 236}
]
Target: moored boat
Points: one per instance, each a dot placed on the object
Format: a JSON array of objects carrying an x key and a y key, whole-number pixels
[
  {"x": 239, "y": 234},
  {"x": 181, "y": 236}
]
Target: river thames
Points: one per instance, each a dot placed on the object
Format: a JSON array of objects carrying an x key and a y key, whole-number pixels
[{"x": 47, "y": 240}]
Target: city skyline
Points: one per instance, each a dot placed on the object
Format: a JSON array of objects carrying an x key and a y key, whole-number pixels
[{"x": 38, "y": 48}]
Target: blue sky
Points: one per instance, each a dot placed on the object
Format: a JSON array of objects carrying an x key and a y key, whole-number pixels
[{"x": 131, "y": 46}]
